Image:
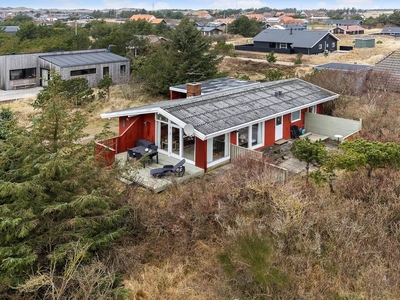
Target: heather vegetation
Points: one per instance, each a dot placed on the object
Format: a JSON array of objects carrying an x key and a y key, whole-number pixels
[{"x": 70, "y": 230}]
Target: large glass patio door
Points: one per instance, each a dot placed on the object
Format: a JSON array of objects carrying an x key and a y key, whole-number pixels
[{"x": 172, "y": 140}]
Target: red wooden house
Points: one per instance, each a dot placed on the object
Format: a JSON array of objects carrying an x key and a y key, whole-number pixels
[{"x": 201, "y": 127}]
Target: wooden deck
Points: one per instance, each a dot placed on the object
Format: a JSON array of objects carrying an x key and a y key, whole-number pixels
[{"x": 135, "y": 172}]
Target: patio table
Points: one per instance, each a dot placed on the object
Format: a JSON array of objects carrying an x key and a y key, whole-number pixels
[{"x": 138, "y": 152}]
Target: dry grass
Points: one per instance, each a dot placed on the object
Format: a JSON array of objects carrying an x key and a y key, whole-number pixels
[
  {"x": 331, "y": 246},
  {"x": 121, "y": 97},
  {"x": 368, "y": 56}
]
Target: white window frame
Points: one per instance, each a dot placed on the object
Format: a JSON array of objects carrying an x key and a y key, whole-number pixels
[
  {"x": 299, "y": 117},
  {"x": 249, "y": 135},
  {"x": 210, "y": 157},
  {"x": 283, "y": 46},
  {"x": 320, "y": 46},
  {"x": 333, "y": 44}
]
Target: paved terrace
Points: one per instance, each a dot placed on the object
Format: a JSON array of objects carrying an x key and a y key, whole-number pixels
[
  {"x": 283, "y": 157},
  {"x": 19, "y": 94}
]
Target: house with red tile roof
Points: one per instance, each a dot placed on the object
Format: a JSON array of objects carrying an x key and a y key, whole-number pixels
[
  {"x": 142, "y": 17},
  {"x": 289, "y": 20},
  {"x": 352, "y": 29},
  {"x": 204, "y": 15},
  {"x": 156, "y": 21},
  {"x": 258, "y": 17}
]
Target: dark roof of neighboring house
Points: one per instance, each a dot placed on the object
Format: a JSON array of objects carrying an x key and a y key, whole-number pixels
[
  {"x": 390, "y": 63},
  {"x": 218, "y": 113},
  {"x": 298, "y": 38},
  {"x": 390, "y": 30},
  {"x": 208, "y": 29},
  {"x": 343, "y": 67},
  {"x": 216, "y": 85},
  {"x": 294, "y": 26},
  {"x": 343, "y": 22},
  {"x": 83, "y": 59},
  {"x": 390, "y": 66},
  {"x": 10, "y": 29}
]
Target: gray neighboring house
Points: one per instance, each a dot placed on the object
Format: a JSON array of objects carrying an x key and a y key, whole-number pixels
[
  {"x": 10, "y": 29},
  {"x": 292, "y": 41},
  {"x": 30, "y": 70},
  {"x": 209, "y": 30},
  {"x": 353, "y": 75},
  {"x": 394, "y": 31},
  {"x": 336, "y": 22}
]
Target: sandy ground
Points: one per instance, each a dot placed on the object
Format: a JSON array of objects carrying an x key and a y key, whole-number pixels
[
  {"x": 368, "y": 56},
  {"x": 254, "y": 64}
]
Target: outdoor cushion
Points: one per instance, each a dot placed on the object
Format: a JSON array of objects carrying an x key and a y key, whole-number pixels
[{"x": 178, "y": 169}]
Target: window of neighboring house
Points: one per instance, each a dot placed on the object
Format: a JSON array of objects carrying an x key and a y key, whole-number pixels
[
  {"x": 320, "y": 46},
  {"x": 272, "y": 45},
  {"x": 22, "y": 74},
  {"x": 333, "y": 44},
  {"x": 122, "y": 69},
  {"x": 83, "y": 72},
  {"x": 283, "y": 46},
  {"x": 296, "y": 115}
]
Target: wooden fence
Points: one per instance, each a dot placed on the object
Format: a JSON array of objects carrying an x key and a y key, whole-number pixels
[{"x": 237, "y": 152}]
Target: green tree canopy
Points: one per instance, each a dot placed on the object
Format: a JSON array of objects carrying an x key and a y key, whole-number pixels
[
  {"x": 310, "y": 152},
  {"x": 52, "y": 191},
  {"x": 245, "y": 27},
  {"x": 174, "y": 62},
  {"x": 371, "y": 155}
]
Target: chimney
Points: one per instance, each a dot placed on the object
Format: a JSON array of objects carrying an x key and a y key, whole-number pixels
[
  {"x": 193, "y": 89},
  {"x": 291, "y": 30}
]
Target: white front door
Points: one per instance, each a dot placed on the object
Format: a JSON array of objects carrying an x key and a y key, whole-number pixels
[{"x": 278, "y": 128}]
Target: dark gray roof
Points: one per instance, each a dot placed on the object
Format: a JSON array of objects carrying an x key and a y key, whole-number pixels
[
  {"x": 10, "y": 29},
  {"x": 83, "y": 59},
  {"x": 217, "y": 113},
  {"x": 343, "y": 67},
  {"x": 215, "y": 85},
  {"x": 390, "y": 66},
  {"x": 294, "y": 26},
  {"x": 208, "y": 29},
  {"x": 298, "y": 38},
  {"x": 390, "y": 63},
  {"x": 390, "y": 30},
  {"x": 343, "y": 22}
]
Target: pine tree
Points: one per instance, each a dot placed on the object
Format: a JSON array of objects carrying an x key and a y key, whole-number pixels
[
  {"x": 185, "y": 57},
  {"x": 52, "y": 192}
]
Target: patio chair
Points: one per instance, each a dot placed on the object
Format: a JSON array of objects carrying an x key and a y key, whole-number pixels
[
  {"x": 178, "y": 170},
  {"x": 294, "y": 132},
  {"x": 153, "y": 151}
]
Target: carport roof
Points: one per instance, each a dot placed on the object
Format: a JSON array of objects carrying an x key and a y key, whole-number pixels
[
  {"x": 83, "y": 59},
  {"x": 215, "y": 85},
  {"x": 343, "y": 67},
  {"x": 218, "y": 113}
]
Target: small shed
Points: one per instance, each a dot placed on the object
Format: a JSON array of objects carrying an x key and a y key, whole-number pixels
[{"x": 364, "y": 43}]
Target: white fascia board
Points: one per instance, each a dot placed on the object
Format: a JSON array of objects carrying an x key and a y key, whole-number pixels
[
  {"x": 206, "y": 137},
  {"x": 177, "y": 89},
  {"x": 128, "y": 113}
]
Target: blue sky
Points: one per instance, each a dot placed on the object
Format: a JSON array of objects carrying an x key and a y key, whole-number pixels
[{"x": 204, "y": 4}]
